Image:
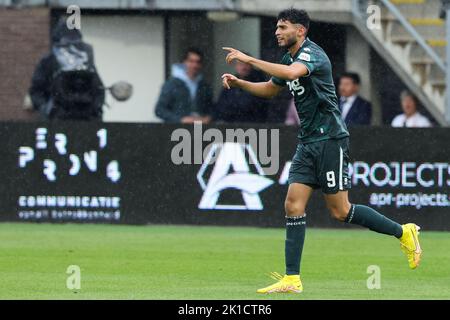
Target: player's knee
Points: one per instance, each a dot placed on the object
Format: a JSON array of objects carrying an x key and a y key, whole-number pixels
[
  {"x": 338, "y": 212},
  {"x": 294, "y": 208}
]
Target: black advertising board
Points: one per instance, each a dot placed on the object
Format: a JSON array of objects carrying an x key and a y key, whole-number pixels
[{"x": 143, "y": 173}]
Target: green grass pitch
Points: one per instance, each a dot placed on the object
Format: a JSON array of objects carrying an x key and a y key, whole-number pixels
[{"x": 190, "y": 262}]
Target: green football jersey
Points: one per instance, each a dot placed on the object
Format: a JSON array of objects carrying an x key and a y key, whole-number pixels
[{"x": 314, "y": 95}]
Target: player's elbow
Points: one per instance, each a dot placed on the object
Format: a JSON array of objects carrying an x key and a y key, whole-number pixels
[
  {"x": 270, "y": 90},
  {"x": 295, "y": 71},
  {"x": 291, "y": 76}
]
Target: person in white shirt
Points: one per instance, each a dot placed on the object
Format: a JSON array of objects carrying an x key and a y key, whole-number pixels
[{"x": 410, "y": 117}]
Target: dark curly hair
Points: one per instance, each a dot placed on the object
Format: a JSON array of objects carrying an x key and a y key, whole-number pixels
[{"x": 295, "y": 16}]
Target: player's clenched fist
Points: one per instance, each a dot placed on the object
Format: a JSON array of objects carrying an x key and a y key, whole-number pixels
[{"x": 229, "y": 81}]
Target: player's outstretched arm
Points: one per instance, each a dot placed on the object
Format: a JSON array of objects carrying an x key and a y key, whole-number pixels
[
  {"x": 260, "y": 89},
  {"x": 291, "y": 72}
]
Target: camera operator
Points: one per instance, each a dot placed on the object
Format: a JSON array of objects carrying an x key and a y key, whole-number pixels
[{"x": 65, "y": 83}]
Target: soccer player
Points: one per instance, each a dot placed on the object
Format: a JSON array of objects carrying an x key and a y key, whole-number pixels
[{"x": 322, "y": 155}]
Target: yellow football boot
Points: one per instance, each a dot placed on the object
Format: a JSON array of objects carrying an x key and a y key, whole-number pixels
[
  {"x": 284, "y": 284},
  {"x": 409, "y": 243}
]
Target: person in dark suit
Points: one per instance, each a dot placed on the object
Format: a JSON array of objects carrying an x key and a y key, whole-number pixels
[
  {"x": 355, "y": 110},
  {"x": 239, "y": 106}
]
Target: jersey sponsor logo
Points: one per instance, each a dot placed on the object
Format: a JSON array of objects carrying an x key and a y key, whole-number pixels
[
  {"x": 305, "y": 56},
  {"x": 307, "y": 49},
  {"x": 295, "y": 88},
  {"x": 232, "y": 158}
]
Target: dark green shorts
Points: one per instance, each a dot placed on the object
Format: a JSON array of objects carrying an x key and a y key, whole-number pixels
[{"x": 322, "y": 164}]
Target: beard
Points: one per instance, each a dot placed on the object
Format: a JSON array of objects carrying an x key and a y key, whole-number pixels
[{"x": 290, "y": 42}]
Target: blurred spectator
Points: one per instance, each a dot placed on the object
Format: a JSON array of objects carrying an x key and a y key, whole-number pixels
[
  {"x": 185, "y": 97},
  {"x": 355, "y": 110},
  {"x": 237, "y": 105},
  {"x": 292, "y": 118},
  {"x": 445, "y": 5},
  {"x": 65, "y": 83},
  {"x": 410, "y": 117}
]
